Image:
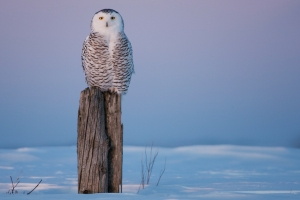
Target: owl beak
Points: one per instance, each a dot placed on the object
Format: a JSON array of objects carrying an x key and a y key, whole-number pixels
[{"x": 106, "y": 24}]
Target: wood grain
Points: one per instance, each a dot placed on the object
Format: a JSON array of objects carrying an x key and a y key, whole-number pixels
[{"x": 99, "y": 142}]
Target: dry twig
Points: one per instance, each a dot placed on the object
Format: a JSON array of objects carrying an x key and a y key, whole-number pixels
[
  {"x": 150, "y": 164},
  {"x": 34, "y": 187},
  {"x": 13, "y": 191},
  {"x": 161, "y": 172}
]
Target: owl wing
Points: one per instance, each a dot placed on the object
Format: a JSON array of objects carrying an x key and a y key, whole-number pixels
[
  {"x": 122, "y": 61},
  {"x": 96, "y": 62}
]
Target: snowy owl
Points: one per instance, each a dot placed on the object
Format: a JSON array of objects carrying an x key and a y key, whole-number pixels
[{"x": 107, "y": 54}]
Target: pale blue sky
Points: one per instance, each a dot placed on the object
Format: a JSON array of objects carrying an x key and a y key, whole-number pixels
[{"x": 207, "y": 72}]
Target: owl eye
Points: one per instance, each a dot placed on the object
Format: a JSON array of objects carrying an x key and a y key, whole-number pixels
[
  {"x": 112, "y": 18},
  {"x": 101, "y": 18}
]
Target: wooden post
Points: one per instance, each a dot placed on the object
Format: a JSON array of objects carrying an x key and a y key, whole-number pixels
[{"x": 99, "y": 142}]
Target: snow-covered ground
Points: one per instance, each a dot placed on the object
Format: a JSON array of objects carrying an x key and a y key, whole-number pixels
[{"x": 192, "y": 172}]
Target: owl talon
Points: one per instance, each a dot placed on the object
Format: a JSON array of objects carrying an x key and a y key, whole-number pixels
[{"x": 113, "y": 90}]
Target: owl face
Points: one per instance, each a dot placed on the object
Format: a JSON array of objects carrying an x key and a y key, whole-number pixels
[{"x": 107, "y": 21}]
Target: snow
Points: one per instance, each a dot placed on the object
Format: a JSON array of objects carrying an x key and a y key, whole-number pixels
[{"x": 192, "y": 172}]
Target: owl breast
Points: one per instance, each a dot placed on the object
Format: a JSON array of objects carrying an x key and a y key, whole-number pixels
[
  {"x": 96, "y": 62},
  {"x": 122, "y": 62},
  {"x": 108, "y": 62}
]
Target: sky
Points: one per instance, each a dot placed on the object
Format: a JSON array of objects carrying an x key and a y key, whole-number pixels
[{"x": 206, "y": 72}]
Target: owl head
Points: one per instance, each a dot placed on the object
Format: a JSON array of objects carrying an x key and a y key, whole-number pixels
[{"x": 107, "y": 21}]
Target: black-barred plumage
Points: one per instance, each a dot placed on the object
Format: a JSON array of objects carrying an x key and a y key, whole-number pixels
[
  {"x": 122, "y": 62},
  {"x": 96, "y": 62},
  {"x": 107, "y": 53}
]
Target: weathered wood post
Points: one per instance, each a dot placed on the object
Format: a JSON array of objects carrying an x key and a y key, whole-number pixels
[
  {"x": 115, "y": 135},
  {"x": 99, "y": 142}
]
